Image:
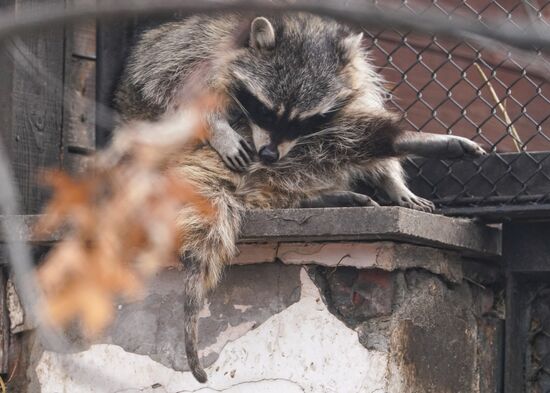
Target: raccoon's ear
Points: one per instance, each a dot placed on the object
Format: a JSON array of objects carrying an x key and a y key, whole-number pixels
[
  {"x": 262, "y": 34},
  {"x": 351, "y": 46}
]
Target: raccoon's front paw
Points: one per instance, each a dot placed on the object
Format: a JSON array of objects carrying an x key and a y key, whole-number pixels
[
  {"x": 235, "y": 152},
  {"x": 415, "y": 202},
  {"x": 240, "y": 157}
]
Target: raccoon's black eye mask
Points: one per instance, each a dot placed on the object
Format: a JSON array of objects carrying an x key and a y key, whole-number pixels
[
  {"x": 281, "y": 126},
  {"x": 254, "y": 108}
]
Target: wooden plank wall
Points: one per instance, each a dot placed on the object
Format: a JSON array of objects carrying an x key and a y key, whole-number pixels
[
  {"x": 47, "y": 115},
  {"x": 114, "y": 40},
  {"x": 79, "y": 139},
  {"x": 47, "y": 102},
  {"x": 32, "y": 110}
]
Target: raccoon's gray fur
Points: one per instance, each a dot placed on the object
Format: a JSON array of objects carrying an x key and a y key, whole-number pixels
[{"x": 301, "y": 90}]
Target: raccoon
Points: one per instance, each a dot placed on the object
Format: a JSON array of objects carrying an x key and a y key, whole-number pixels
[
  {"x": 173, "y": 62},
  {"x": 300, "y": 89}
]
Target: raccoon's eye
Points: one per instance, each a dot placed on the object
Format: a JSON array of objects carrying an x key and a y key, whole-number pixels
[
  {"x": 234, "y": 115},
  {"x": 260, "y": 113},
  {"x": 264, "y": 114},
  {"x": 254, "y": 107}
]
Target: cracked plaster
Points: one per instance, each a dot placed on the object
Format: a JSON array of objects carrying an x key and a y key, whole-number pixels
[{"x": 303, "y": 348}]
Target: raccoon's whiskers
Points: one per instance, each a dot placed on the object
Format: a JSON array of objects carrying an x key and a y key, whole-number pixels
[{"x": 241, "y": 106}]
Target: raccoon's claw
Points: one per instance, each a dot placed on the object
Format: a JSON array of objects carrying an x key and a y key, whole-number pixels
[
  {"x": 471, "y": 148},
  {"x": 238, "y": 158},
  {"x": 231, "y": 147},
  {"x": 363, "y": 200},
  {"x": 465, "y": 148},
  {"x": 416, "y": 203}
]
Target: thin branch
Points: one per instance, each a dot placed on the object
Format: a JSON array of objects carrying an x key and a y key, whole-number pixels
[
  {"x": 510, "y": 128},
  {"x": 533, "y": 36}
]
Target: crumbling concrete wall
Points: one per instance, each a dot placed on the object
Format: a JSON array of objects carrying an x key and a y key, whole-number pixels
[
  {"x": 399, "y": 318},
  {"x": 439, "y": 335}
]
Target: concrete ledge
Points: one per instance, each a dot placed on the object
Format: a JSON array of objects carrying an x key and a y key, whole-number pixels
[
  {"x": 466, "y": 236},
  {"x": 381, "y": 223}
]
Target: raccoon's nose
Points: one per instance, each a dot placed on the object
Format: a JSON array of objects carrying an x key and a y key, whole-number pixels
[{"x": 268, "y": 154}]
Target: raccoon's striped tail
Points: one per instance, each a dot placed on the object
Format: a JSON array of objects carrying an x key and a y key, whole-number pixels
[{"x": 193, "y": 292}]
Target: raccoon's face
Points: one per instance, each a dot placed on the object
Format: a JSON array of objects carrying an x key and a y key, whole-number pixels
[{"x": 291, "y": 80}]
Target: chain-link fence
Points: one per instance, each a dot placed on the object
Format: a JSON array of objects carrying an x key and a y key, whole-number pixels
[
  {"x": 485, "y": 91},
  {"x": 538, "y": 370}
]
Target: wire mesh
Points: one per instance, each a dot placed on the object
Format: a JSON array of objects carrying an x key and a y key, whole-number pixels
[
  {"x": 482, "y": 91},
  {"x": 538, "y": 364}
]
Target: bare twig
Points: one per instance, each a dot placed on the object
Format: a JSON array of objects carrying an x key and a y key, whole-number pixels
[
  {"x": 537, "y": 35},
  {"x": 510, "y": 128}
]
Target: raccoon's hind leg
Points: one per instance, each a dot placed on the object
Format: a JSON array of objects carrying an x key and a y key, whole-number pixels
[
  {"x": 388, "y": 175},
  {"x": 339, "y": 199},
  {"x": 436, "y": 146},
  {"x": 235, "y": 152}
]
